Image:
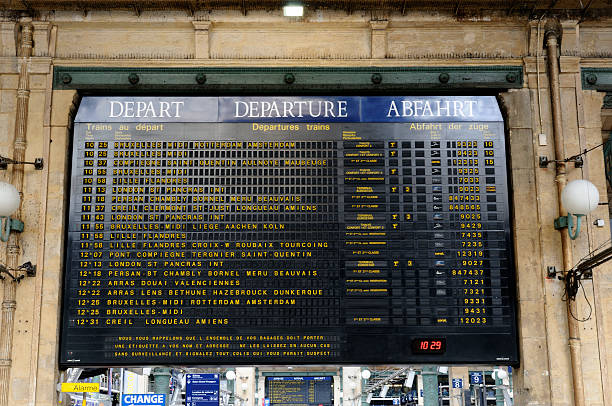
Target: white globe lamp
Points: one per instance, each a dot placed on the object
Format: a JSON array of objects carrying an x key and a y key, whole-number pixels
[
  {"x": 366, "y": 374},
  {"x": 579, "y": 198},
  {"x": 9, "y": 203},
  {"x": 230, "y": 375},
  {"x": 9, "y": 199},
  {"x": 499, "y": 373}
]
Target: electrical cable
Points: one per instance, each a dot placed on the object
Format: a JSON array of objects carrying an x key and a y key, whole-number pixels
[
  {"x": 573, "y": 283},
  {"x": 28, "y": 268},
  {"x": 588, "y": 302},
  {"x": 595, "y": 260},
  {"x": 592, "y": 253},
  {"x": 572, "y": 279},
  {"x": 586, "y": 151}
]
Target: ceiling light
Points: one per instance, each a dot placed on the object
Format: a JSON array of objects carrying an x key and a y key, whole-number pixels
[{"x": 293, "y": 10}]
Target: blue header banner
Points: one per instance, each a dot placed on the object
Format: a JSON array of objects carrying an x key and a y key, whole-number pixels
[
  {"x": 148, "y": 109},
  {"x": 290, "y": 109},
  {"x": 435, "y": 109},
  {"x": 286, "y": 109}
]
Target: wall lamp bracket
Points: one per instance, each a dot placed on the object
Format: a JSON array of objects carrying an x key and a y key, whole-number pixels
[
  {"x": 568, "y": 222},
  {"x": 551, "y": 272},
  {"x": 577, "y": 160},
  {"x": 4, "y": 162},
  {"x": 27, "y": 269},
  {"x": 9, "y": 225}
]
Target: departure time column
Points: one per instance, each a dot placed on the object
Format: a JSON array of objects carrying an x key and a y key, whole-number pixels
[{"x": 91, "y": 231}]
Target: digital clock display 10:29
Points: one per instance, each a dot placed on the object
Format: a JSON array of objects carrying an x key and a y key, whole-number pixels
[{"x": 428, "y": 346}]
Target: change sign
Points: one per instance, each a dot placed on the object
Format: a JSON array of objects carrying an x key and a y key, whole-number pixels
[
  {"x": 140, "y": 399},
  {"x": 202, "y": 390}
]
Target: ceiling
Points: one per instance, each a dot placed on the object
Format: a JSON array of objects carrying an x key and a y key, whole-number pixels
[{"x": 584, "y": 9}]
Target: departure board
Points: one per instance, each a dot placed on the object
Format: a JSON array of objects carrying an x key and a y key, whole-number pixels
[
  {"x": 299, "y": 391},
  {"x": 288, "y": 230}
]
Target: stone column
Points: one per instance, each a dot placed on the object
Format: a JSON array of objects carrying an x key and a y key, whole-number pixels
[
  {"x": 337, "y": 389},
  {"x": 499, "y": 393},
  {"x": 379, "y": 39},
  {"x": 599, "y": 290},
  {"x": 261, "y": 389},
  {"x": 456, "y": 393},
  {"x": 581, "y": 113},
  {"x": 537, "y": 318},
  {"x": 430, "y": 385},
  {"x": 351, "y": 386},
  {"x": 13, "y": 250},
  {"x": 202, "y": 47},
  {"x": 63, "y": 107},
  {"x": 161, "y": 382},
  {"x": 245, "y": 387}
]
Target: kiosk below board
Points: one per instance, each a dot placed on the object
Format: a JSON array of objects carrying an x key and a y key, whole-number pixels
[
  {"x": 288, "y": 230},
  {"x": 300, "y": 390}
]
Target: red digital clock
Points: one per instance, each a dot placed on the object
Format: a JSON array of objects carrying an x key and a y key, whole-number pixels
[{"x": 428, "y": 345}]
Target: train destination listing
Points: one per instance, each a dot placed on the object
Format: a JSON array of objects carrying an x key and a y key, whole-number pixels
[{"x": 288, "y": 230}]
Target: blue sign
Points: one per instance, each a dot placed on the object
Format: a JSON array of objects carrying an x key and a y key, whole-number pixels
[
  {"x": 457, "y": 383},
  {"x": 143, "y": 399},
  {"x": 476, "y": 378},
  {"x": 202, "y": 390},
  {"x": 289, "y": 109}
]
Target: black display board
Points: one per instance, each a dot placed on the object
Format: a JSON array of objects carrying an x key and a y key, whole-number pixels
[
  {"x": 265, "y": 230},
  {"x": 299, "y": 391}
]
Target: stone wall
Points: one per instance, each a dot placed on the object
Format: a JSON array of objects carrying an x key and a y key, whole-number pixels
[{"x": 229, "y": 39}]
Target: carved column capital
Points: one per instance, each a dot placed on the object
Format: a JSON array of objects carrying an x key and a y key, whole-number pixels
[
  {"x": 379, "y": 38},
  {"x": 570, "y": 38},
  {"x": 7, "y": 38},
  {"x": 25, "y": 39},
  {"x": 201, "y": 25},
  {"x": 42, "y": 30},
  {"x": 379, "y": 24},
  {"x": 202, "y": 45}
]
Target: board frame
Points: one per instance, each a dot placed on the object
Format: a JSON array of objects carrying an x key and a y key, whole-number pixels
[{"x": 340, "y": 81}]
